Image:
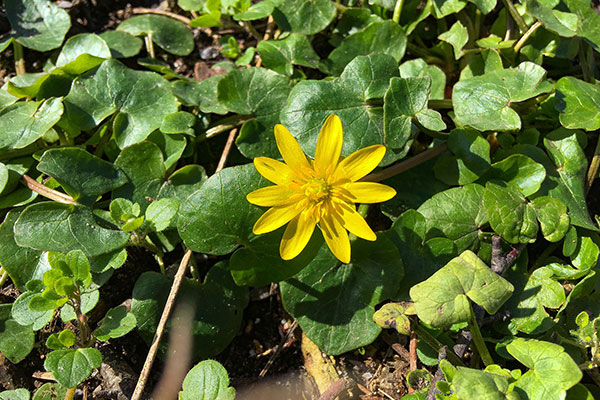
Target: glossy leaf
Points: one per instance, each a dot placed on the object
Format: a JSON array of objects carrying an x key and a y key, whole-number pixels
[
  {"x": 169, "y": 34},
  {"x": 116, "y": 323},
  {"x": 70, "y": 367},
  {"x": 304, "y": 16},
  {"x": 208, "y": 380},
  {"x": 122, "y": 44},
  {"x": 16, "y": 340},
  {"x": 282, "y": 55},
  {"x": 578, "y": 103},
  {"x": 470, "y": 161}
]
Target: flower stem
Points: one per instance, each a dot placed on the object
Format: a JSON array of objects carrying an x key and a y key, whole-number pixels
[
  {"x": 593, "y": 169},
  {"x": 515, "y": 15},
  {"x": 397, "y": 11},
  {"x": 47, "y": 192},
  {"x": 406, "y": 165},
  {"x": 526, "y": 36},
  {"x": 19, "y": 60},
  {"x": 484, "y": 353},
  {"x": 70, "y": 393}
]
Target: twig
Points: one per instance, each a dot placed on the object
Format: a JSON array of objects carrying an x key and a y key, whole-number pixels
[
  {"x": 593, "y": 169},
  {"x": 334, "y": 390},
  {"x": 47, "y": 192},
  {"x": 412, "y": 351},
  {"x": 226, "y": 150},
  {"x": 526, "y": 36},
  {"x": 406, "y": 165},
  {"x": 143, "y": 10},
  {"x": 439, "y": 375},
  {"x": 181, "y": 343},
  {"x": 278, "y": 349},
  {"x": 139, "y": 388},
  {"x": 500, "y": 263}
]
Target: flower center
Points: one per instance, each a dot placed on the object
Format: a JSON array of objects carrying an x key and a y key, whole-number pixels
[{"x": 317, "y": 189}]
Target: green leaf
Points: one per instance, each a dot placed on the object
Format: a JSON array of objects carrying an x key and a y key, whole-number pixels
[
  {"x": 218, "y": 303},
  {"x": 371, "y": 277},
  {"x": 208, "y": 380},
  {"x": 21, "y": 263},
  {"x": 116, "y": 323},
  {"x": 406, "y": 101},
  {"x": 179, "y": 122},
  {"x": 443, "y": 8},
  {"x": 566, "y": 180},
  {"x": 476, "y": 384},
  {"x": 394, "y": 315},
  {"x": 443, "y": 299},
  {"x": 140, "y": 99},
  {"x": 578, "y": 103},
  {"x": 122, "y": 44},
  {"x": 64, "y": 227},
  {"x": 553, "y": 217},
  {"x": 471, "y": 160},
  {"x": 483, "y": 102},
  {"x": 23, "y": 123},
  {"x": 485, "y": 6},
  {"x": 564, "y": 24},
  {"x": 588, "y": 21},
  {"x": 143, "y": 164},
  {"x": 16, "y": 340},
  {"x": 304, "y": 16},
  {"x": 258, "y": 263},
  {"x": 83, "y": 175},
  {"x": 37, "y": 24},
  {"x": 191, "y": 5},
  {"x": 169, "y": 34},
  {"x": 310, "y": 102},
  {"x": 260, "y": 93},
  {"x": 281, "y": 55},
  {"x": 509, "y": 213},
  {"x": 456, "y": 214},
  {"x": 519, "y": 170},
  {"x": 546, "y": 361},
  {"x": 385, "y": 37},
  {"x": 540, "y": 292},
  {"x": 216, "y": 224},
  {"x": 82, "y": 52},
  {"x": 201, "y": 94},
  {"x": 65, "y": 339},
  {"x": 50, "y": 391},
  {"x": 160, "y": 213},
  {"x": 458, "y": 37},
  {"x": 586, "y": 254},
  {"x": 258, "y": 10},
  {"x": 89, "y": 299},
  {"x": 17, "y": 394},
  {"x": 23, "y": 315},
  {"x": 70, "y": 367}
]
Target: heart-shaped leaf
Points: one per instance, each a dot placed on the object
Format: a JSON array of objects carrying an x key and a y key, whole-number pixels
[
  {"x": 304, "y": 16},
  {"x": 208, "y": 380},
  {"x": 578, "y": 103},
  {"x": 70, "y": 367},
  {"x": 168, "y": 33}
]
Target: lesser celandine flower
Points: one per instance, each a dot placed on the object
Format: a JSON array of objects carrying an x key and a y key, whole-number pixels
[{"x": 319, "y": 192}]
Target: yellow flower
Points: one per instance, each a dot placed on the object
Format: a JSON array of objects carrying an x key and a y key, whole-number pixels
[{"x": 320, "y": 192}]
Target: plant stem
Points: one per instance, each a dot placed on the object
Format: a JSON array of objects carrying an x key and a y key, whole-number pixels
[
  {"x": 149, "y": 45},
  {"x": 406, "y": 165},
  {"x": 69, "y": 393},
  {"x": 593, "y": 169},
  {"x": 253, "y": 31},
  {"x": 588, "y": 75},
  {"x": 397, "y": 11},
  {"x": 340, "y": 7},
  {"x": 526, "y": 36},
  {"x": 435, "y": 344},
  {"x": 438, "y": 104},
  {"x": 19, "y": 60},
  {"x": 47, "y": 192},
  {"x": 225, "y": 124},
  {"x": 479, "y": 342},
  {"x": 515, "y": 15},
  {"x": 3, "y": 276}
]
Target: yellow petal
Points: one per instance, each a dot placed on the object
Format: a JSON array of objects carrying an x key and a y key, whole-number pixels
[
  {"x": 354, "y": 222},
  {"x": 296, "y": 236},
  {"x": 336, "y": 237},
  {"x": 275, "y": 171},
  {"x": 273, "y": 196},
  {"x": 329, "y": 145},
  {"x": 370, "y": 192},
  {"x": 274, "y": 218},
  {"x": 290, "y": 149},
  {"x": 360, "y": 163}
]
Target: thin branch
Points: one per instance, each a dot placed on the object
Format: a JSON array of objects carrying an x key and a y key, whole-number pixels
[
  {"x": 47, "y": 192},
  {"x": 404, "y": 166},
  {"x": 226, "y": 150},
  {"x": 141, "y": 383},
  {"x": 526, "y": 36},
  {"x": 278, "y": 349},
  {"x": 143, "y": 10}
]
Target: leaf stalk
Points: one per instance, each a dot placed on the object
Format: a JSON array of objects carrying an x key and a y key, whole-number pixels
[
  {"x": 19, "y": 60},
  {"x": 482, "y": 349}
]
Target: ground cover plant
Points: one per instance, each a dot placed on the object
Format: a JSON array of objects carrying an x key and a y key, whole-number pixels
[{"x": 390, "y": 172}]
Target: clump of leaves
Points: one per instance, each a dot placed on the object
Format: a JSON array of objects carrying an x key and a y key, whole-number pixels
[{"x": 488, "y": 113}]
